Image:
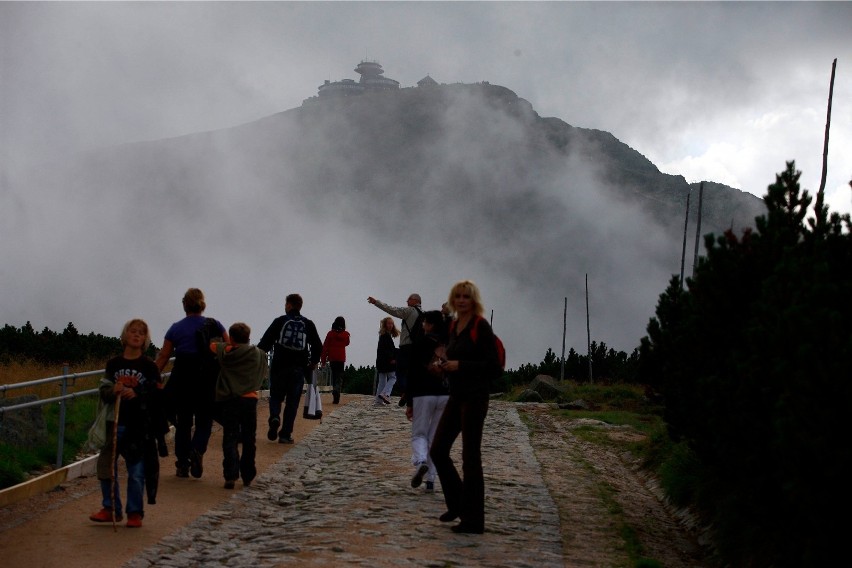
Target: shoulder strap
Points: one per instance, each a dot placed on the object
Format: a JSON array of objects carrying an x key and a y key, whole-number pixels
[
  {"x": 474, "y": 330},
  {"x": 405, "y": 321}
]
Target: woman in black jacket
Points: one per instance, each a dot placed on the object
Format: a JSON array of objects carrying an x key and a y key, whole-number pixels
[{"x": 472, "y": 362}]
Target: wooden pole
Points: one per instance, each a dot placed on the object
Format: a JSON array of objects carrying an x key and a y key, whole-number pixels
[
  {"x": 820, "y": 199},
  {"x": 683, "y": 251},
  {"x": 698, "y": 227},
  {"x": 564, "y": 326},
  {"x": 588, "y": 331},
  {"x": 114, "y": 481}
]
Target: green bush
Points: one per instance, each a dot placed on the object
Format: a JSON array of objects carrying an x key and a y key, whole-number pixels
[
  {"x": 752, "y": 360},
  {"x": 359, "y": 380}
]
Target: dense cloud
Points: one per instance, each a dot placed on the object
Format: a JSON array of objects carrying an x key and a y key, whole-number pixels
[{"x": 711, "y": 91}]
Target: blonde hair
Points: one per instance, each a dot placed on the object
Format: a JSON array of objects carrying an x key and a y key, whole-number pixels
[
  {"x": 125, "y": 330},
  {"x": 383, "y": 331},
  {"x": 475, "y": 297}
]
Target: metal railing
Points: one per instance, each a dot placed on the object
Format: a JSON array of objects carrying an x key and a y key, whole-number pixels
[{"x": 65, "y": 381}]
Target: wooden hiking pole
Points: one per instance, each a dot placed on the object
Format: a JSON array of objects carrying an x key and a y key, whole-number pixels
[{"x": 114, "y": 479}]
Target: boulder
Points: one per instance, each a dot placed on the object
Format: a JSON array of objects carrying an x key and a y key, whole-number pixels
[
  {"x": 547, "y": 387},
  {"x": 530, "y": 395}
]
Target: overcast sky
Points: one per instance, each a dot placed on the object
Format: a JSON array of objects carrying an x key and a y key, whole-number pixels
[{"x": 725, "y": 91}]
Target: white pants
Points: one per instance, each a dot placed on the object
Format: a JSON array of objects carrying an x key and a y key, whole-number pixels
[
  {"x": 427, "y": 413},
  {"x": 386, "y": 383}
]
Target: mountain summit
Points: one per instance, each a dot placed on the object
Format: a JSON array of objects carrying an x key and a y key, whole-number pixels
[{"x": 383, "y": 193}]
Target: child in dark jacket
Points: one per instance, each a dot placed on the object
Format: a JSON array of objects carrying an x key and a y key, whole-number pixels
[
  {"x": 242, "y": 370},
  {"x": 132, "y": 387}
]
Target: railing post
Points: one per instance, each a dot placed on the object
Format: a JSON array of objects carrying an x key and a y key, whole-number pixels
[{"x": 60, "y": 443}]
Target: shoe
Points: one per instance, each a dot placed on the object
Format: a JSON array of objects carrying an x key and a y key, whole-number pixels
[
  {"x": 449, "y": 516},
  {"x": 273, "y": 429},
  {"x": 418, "y": 475},
  {"x": 401, "y": 402},
  {"x": 385, "y": 399},
  {"x": 286, "y": 440},
  {"x": 229, "y": 484},
  {"x": 134, "y": 520},
  {"x": 104, "y": 516},
  {"x": 196, "y": 464},
  {"x": 430, "y": 487},
  {"x": 182, "y": 471},
  {"x": 247, "y": 482},
  {"x": 466, "y": 528}
]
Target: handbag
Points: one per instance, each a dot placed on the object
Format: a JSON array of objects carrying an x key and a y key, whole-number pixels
[
  {"x": 313, "y": 403},
  {"x": 97, "y": 437}
]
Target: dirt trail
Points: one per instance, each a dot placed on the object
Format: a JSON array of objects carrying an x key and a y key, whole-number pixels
[
  {"x": 53, "y": 530},
  {"x": 585, "y": 481}
]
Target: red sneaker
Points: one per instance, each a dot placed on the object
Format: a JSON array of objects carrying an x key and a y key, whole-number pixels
[
  {"x": 134, "y": 520},
  {"x": 104, "y": 516}
]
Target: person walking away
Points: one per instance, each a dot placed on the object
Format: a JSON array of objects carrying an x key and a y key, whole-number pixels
[
  {"x": 427, "y": 395},
  {"x": 296, "y": 349},
  {"x": 242, "y": 370},
  {"x": 386, "y": 353},
  {"x": 408, "y": 314},
  {"x": 133, "y": 378},
  {"x": 190, "y": 389},
  {"x": 334, "y": 353},
  {"x": 470, "y": 367}
]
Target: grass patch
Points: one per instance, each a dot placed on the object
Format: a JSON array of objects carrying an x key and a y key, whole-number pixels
[{"x": 19, "y": 462}]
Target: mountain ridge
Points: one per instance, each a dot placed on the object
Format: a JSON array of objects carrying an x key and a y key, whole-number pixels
[{"x": 385, "y": 193}]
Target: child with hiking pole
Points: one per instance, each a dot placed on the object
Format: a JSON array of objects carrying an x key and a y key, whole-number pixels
[{"x": 131, "y": 386}]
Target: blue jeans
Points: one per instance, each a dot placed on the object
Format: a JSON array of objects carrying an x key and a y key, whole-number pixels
[
  {"x": 135, "y": 483},
  {"x": 286, "y": 387}
]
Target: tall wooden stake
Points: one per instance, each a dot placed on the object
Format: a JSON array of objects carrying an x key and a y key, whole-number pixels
[
  {"x": 588, "y": 331},
  {"x": 820, "y": 198},
  {"x": 683, "y": 251},
  {"x": 564, "y": 326},
  {"x": 698, "y": 227}
]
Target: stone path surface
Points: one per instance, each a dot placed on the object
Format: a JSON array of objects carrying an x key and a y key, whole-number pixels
[{"x": 336, "y": 498}]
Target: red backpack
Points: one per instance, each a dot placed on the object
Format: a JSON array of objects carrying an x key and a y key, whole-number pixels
[{"x": 474, "y": 332}]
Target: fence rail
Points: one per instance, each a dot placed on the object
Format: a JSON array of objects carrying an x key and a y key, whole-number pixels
[{"x": 65, "y": 381}]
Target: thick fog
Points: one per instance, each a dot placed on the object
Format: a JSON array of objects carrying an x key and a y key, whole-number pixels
[{"x": 99, "y": 226}]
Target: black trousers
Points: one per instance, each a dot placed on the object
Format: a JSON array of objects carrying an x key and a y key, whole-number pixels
[
  {"x": 465, "y": 497},
  {"x": 239, "y": 427}
]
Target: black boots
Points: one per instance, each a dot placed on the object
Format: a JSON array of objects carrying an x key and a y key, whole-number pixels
[{"x": 336, "y": 395}]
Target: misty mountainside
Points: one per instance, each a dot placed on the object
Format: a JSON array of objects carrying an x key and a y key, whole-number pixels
[{"x": 383, "y": 194}]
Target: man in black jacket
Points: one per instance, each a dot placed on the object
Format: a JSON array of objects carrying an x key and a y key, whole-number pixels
[{"x": 296, "y": 349}]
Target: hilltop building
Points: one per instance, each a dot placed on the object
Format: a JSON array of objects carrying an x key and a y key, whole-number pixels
[{"x": 372, "y": 80}]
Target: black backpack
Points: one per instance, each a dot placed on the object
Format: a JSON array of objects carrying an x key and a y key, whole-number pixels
[{"x": 208, "y": 363}]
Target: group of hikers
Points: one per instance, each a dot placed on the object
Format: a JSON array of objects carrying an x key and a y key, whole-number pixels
[{"x": 443, "y": 367}]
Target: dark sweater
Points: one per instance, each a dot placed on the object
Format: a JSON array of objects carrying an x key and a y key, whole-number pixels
[
  {"x": 478, "y": 360},
  {"x": 242, "y": 370}
]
